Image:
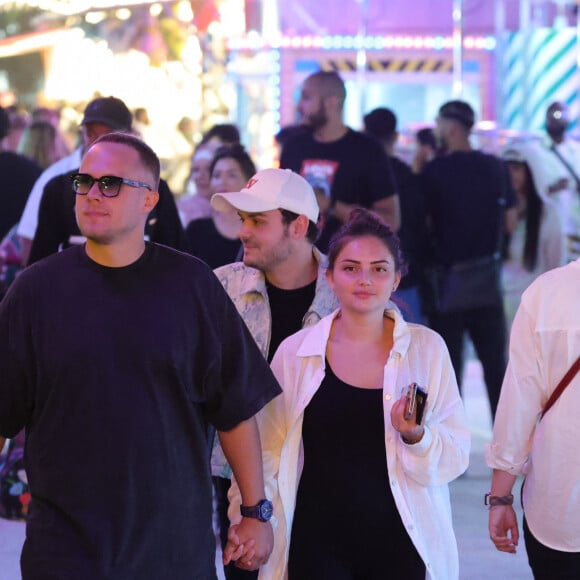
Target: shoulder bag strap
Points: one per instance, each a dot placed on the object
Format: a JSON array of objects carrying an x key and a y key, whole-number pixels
[
  {"x": 567, "y": 165},
  {"x": 567, "y": 378},
  {"x": 501, "y": 202}
]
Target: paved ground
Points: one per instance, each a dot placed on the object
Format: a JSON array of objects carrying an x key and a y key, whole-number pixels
[{"x": 478, "y": 558}]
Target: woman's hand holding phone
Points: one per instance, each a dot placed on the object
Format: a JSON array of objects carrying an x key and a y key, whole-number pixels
[{"x": 407, "y": 413}]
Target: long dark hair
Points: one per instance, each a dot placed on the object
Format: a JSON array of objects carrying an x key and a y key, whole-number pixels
[{"x": 534, "y": 209}]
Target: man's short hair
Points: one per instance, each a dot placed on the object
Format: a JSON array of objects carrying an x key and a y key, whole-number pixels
[
  {"x": 312, "y": 232},
  {"x": 380, "y": 123},
  {"x": 329, "y": 84},
  {"x": 458, "y": 111},
  {"x": 426, "y": 136},
  {"x": 146, "y": 155}
]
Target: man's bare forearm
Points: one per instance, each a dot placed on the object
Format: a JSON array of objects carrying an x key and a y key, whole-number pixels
[{"x": 241, "y": 446}]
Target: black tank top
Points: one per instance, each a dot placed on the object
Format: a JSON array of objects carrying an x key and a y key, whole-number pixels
[
  {"x": 345, "y": 462},
  {"x": 346, "y": 523}
]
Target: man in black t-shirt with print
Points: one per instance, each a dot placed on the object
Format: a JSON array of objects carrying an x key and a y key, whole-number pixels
[
  {"x": 346, "y": 168},
  {"x": 471, "y": 205}
]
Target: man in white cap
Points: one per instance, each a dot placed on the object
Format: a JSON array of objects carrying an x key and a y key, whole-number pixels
[{"x": 280, "y": 286}]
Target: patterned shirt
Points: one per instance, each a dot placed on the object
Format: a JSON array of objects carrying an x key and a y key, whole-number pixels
[{"x": 247, "y": 288}]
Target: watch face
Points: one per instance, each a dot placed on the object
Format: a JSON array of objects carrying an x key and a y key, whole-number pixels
[{"x": 266, "y": 510}]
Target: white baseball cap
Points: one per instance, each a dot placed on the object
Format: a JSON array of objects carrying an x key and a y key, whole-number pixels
[{"x": 271, "y": 189}]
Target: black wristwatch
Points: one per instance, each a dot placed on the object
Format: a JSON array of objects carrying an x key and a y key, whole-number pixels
[{"x": 261, "y": 511}]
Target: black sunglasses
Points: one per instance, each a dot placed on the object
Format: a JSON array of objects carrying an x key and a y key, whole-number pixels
[{"x": 109, "y": 185}]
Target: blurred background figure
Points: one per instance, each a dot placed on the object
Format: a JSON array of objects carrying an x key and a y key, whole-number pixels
[
  {"x": 426, "y": 148},
  {"x": 381, "y": 124},
  {"x": 214, "y": 239},
  {"x": 18, "y": 176},
  {"x": 221, "y": 134},
  {"x": 141, "y": 122},
  {"x": 173, "y": 150},
  {"x": 286, "y": 134},
  {"x": 195, "y": 203},
  {"x": 471, "y": 207},
  {"x": 186, "y": 127},
  {"x": 47, "y": 114},
  {"x": 537, "y": 244},
  {"x": 18, "y": 120},
  {"x": 555, "y": 165},
  {"x": 43, "y": 143}
]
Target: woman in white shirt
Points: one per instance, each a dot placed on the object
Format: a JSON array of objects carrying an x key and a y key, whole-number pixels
[{"x": 359, "y": 491}]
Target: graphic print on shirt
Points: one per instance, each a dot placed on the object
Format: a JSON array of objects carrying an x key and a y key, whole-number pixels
[{"x": 320, "y": 174}]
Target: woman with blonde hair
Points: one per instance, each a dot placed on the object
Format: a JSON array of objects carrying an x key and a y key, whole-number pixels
[{"x": 42, "y": 143}]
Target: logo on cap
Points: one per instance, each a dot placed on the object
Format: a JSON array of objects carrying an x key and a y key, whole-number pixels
[{"x": 251, "y": 183}]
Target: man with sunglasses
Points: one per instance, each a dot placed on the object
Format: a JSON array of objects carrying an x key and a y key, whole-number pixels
[
  {"x": 116, "y": 355},
  {"x": 53, "y": 226}
]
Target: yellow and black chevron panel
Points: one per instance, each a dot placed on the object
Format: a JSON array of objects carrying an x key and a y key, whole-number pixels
[
  {"x": 407, "y": 65},
  {"x": 391, "y": 65},
  {"x": 338, "y": 65}
]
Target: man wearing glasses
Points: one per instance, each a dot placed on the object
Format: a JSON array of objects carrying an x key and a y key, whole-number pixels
[
  {"x": 55, "y": 227},
  {"x": 115, "y": 355}
]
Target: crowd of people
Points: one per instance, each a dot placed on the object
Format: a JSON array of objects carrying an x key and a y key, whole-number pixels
[{"x": 278, "y": 352}]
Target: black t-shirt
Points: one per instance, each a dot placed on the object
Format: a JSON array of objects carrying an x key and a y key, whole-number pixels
[
  {"x": 462, "y": 192},
  {"x": 57, "y": 221},
  {"x": 354, "y": 169},
  {"x": 116, "y": 372},
  {"x": 19, "y": 175},
  {"x": 413, "y": 232},
  {"x": 287, "y": 308},
  {"x": 207, "y": 244}
]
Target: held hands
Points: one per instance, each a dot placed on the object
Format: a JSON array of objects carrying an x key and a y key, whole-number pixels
[
  {"x": 503, "y": 528},
  {"x": 250, "y": 544},
  {"x": 408, "y": 428}
]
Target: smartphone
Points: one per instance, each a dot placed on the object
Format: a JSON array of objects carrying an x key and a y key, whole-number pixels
[{"x": 415, "y": 402}]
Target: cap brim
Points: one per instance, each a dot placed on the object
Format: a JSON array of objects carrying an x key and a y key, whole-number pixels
[{"x": 240, "y": 201}]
